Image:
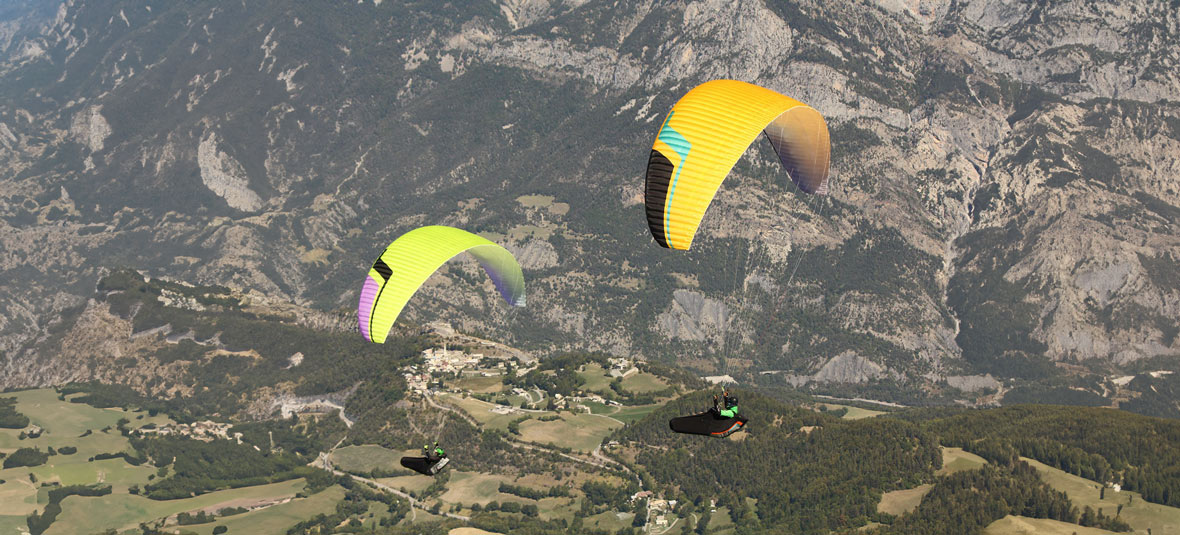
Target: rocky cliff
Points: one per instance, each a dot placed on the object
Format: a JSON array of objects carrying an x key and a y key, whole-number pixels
[{"x": 1004, "y": 201}]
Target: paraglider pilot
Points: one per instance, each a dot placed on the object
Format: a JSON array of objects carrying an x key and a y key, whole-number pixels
[
  {"x": 730, "y": 404},
  {"x": 434, "y": 454}
]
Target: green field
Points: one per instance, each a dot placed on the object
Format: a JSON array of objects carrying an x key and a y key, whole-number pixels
[
  {"x": 62, "y": 419},
  {"x": 276, "y": 519},
  {"x": 854, "y": 413},
  {"x": 412, "y": 483},
  {"x": 595, "y": 377},
  {"x": 900, "y": 502},
  {"x": 597, "y": 408},
  {"x": 610, "y": 521},
  {"x": 476, "y": 487},
  {"x": 121, "y": 511},
  {"x": 62, "y": 424},
  {"x": 364, "y": 459},
  {"x": 634, "y": 413},
  {"x": 1141, "y": 515},
  {"x": 470, "y": 531},
  {"x": 554, "y": 508},
  {"x": 481, "y": 411},
  {"x": 13, "y": 525},
  {"x": 957, "y": 460},
  {"x": 1020, "y": 525},
  {"x": 535, "y": 201},
  {"x": 582, "y": 432},
  {"x": 720, "y": 522},
  {"x": 637, "y": 383},
  {"x": 642, "y": 383},
  {"x": 480, "y": 384}
]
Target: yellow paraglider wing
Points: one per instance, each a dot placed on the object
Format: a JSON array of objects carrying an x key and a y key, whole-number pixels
[
  {"x": 412, "y": 258},
  {"x": 704, "y": 136}
]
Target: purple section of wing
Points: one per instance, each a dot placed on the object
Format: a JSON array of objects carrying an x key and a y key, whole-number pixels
[{"x": 368, "y": 294}]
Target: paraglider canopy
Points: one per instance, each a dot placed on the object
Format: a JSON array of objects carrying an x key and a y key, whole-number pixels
[
  {"x": 708, "y": 423},
  {"x": 402, "y": 268},
  {"x": 719, "y": 421},
  {"x": 706, "y": 133},
  {"x": 425, "y": 465}
]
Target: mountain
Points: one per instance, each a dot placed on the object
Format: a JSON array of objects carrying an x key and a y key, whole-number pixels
[{"x": 1003, "y": 213}]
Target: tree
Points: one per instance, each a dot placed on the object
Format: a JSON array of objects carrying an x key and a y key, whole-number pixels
[
  {"x": 703, "y": 523},
  {"x": 640, "y": 519}
]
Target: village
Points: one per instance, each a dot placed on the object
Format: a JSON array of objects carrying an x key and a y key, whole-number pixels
[{"x": 205, "y": 431}]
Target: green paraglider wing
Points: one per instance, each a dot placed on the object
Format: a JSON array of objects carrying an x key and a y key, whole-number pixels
[{"x": 412, "y": 258}]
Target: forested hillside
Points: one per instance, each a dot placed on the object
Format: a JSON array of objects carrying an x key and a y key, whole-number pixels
[{"x": 805, "y": 472}]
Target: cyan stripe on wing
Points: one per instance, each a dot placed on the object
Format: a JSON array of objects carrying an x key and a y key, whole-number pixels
[{"x": 678, "y": 143}]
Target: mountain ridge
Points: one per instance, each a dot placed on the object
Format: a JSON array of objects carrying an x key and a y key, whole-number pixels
[{"x": 1004, "y": 199}]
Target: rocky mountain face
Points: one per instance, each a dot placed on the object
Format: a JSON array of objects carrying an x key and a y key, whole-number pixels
[{"x": 1004, "y": 205}]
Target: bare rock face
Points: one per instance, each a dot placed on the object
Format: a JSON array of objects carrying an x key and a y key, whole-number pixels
[
  {"x": 972, "y": 383},
  {"x": 90, "y": 128},
  {"x": 693, "y": 316},
  {"x": 535, "y": 254},
  {"x": 1004, "y": 173},
  {"x": 848, "y": 367},
  {"x": 225, "y": 176},
  {"x": 843, "y": 369}
]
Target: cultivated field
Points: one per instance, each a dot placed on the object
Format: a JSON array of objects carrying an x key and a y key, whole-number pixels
[
  {"x": 470, "y": 531},
  {"x": 362, "y": 459},
  {"x": 276, "y": 519},
  {"x": 1141, "y": 515},
  {"x": 720, "y": 522},
  {"x": 63, "y": 424},
  {"x": 854, "y": 413},
  {"x": 642, "y": 383},
  {"x": 1020, "y": 525},
  {"x": 900, "y": 502},
  {"x": 634, "y": 413},
  {"x": 480, "y": 384},
  {"x": 477, "y": 487},
  {"x": 957, "y": 460},
  {"x": 596, "y": 378},
  {"x": 609, "y": 521},
  {"x": 412, "y": 483},
  {"x": 122, "y": 511},
  {"x": 481, "y": 411},
  {"x": 639, "y": 383},
  {"x": 582, "y": 432}
]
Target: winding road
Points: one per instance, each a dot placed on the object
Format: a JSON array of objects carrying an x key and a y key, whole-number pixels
[
  {"x": 599, "y": 461},
  {"x": 323, "y": 462}
]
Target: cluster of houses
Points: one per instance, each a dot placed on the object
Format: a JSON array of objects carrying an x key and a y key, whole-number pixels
[
  {"x": 205, "y": 431},
  {"x": 621, "y": 367},
  {"x": 658, "y": 509},
  {"x": 441, "y": 361}
]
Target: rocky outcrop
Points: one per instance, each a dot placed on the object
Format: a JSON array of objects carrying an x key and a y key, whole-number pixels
[
  {"x": 692, "y": 316},
  {"x": 224, "y": 176},
  {"x": 535, "y": 254},
  {"x": 1002, "y": 171},
  {"x": 848, "y": 367},
  {"x": 973, "y": 383},
  {"x": 90, "y": 128}
]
